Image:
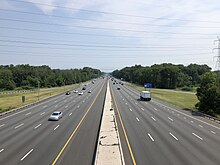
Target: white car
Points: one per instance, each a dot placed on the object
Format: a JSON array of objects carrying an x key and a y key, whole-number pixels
[
  {"x": 80, "y": 93},
  {"x": 75, "y": 91},
  {"x": 56, "y": 115}
]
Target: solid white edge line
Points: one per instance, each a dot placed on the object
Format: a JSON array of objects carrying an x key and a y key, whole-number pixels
[
  {"x": 193, "y": 118},
  {"x": 197, "y": 136},
  {"x": 2, "y": 150},
  {"x": 142, "y": 109},
  {"x": 19, "y": 126},
  {"x": 137, "y": 119},
  {"x": 170, "y": 119},
  {"x": 173, "y": 136},
  {"x": 37, "y": 126},
  {"x": 201, "y": 126},
  {"x": 26, "y": 154},
  {"x": 151, "y": 137},
  {"x": 155, "y": 109},
  {"x": 56, "y": 127},
  {"x": 2, "y": 125},
  {"x": 42, "y": 113}
]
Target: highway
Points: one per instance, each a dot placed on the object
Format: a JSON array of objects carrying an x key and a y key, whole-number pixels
[
  {"x": 155, "y": 133},
  {"x": 27, "y": 137}
]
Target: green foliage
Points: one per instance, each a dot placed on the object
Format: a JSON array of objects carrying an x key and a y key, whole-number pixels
[
  {"x": 29, "y": 76},
  {"x": 209, "y": 94},
  {"x": 168, "y": 76}
]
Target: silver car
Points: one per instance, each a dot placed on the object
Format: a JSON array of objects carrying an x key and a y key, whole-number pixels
[{"x": 56, "y": 115}]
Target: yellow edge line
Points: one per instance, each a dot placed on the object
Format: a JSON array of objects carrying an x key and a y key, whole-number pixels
[
  {"x": 123, "y": 128},
  {"x": 64, "y": 147}
]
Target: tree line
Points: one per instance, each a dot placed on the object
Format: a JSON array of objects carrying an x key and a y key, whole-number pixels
[
  {"x": 25, "y": 76},
  {"x": 170, "y": 76},
  {"x": 166, "y": 75}
]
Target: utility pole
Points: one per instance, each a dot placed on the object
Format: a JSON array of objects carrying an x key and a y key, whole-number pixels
[{"x": 38, "y": 85}]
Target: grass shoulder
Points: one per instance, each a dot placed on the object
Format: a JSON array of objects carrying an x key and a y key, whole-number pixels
[
  {"x": 182, "y": 99},
  {"x": 14, "y": 100}
]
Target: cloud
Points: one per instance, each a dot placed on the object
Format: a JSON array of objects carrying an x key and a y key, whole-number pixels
[{"x": 49, "y": 8}]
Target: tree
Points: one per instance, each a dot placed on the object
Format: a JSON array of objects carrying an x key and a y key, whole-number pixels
[{"x": 209, "y": 94}]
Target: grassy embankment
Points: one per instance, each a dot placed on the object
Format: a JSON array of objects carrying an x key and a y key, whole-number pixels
[
  {"x": 184, "y": 100},
  {"x": 11, "y": 101}
]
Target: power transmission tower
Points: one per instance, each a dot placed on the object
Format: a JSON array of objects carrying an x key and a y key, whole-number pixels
[{"x": 217, "y": 65}]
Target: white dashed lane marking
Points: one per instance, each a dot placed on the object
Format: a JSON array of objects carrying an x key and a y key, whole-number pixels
[
  {"x": 173, "y": 136},
  {"x": 213, "y": 132},
  {"x": 19, "y": 125},
  {"x": 152, "y": 139},
  {"x": 27, "y": 114},
  {"x": 1, "y": 150},
  {"x": 153, "y": 118},
  {"x": 197, "y": 136},
  {"x": 137, "y": 119},
  {"x": 130, "y": 109},
  {"x": 170, "y": 119},
  {"x": 70, "y": 114},
  {"x": 26, "y": 154},
  {"x": 42, "y": 113},
  {"x": 2, "y": 125},
  {"x": 56, "y": 127},
  {"x": 37, "y": 126}
]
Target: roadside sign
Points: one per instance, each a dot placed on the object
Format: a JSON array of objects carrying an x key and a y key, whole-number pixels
[
  {"x": 148, "y": 85},
  {"x": 23, "y": 99}
]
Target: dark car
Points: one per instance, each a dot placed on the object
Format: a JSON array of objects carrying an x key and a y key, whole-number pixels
[
  {"x": 84, "y": 88},
  {"x": 68, "y": 93}
]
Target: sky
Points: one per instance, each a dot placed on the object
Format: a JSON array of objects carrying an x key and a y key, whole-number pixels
[{"x": 108, "y": 34}]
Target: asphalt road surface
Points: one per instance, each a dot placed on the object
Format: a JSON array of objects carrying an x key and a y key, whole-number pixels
[
  {"x": 28, "y": 138},
  {"x": 154, "y": 133}
]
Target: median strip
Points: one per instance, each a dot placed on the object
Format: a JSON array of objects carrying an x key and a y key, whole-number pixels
[{"x": 109, "y": 148}]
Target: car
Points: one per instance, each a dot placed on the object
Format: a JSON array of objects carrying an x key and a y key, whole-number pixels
[
  {"x": 113, "y": 83},
  {"x": 118, "y": 88},
  {"x": 84, "y": 88},
  {"x": 75, "y": 91},
  {"x": 56, "y": 116},
  {"x": 80, "y": 93},
  {"x": 89, "y": 91},
  {"x": 68, "y": 93}
]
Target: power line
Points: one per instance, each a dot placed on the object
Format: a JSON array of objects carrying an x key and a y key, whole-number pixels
[
  {"x": 96, "y": 46},
  {"x": 100, "y": 49},
  {"x": 75, "y": 41},
  {"x": 106, "y": 21},
  {"x": 96, "y": 28},
  {"x": 112, "y": 13}
]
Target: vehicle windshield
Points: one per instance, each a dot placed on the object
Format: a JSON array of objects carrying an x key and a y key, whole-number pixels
[{"x": 55, "y": 113}]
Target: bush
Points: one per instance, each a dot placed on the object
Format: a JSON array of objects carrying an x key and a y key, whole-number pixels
[{"x": 185, "y": 88}]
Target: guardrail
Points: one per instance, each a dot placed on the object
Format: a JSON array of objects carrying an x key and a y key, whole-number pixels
[
  {"x": 20, "y": 91},
  {"x": 217, "y": 120}
]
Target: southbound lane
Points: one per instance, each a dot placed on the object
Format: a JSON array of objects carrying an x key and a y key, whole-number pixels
[{"x": 161, "y": 134}]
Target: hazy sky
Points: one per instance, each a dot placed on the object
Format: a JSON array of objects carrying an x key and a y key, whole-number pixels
[{"x": 108, "y": 34}]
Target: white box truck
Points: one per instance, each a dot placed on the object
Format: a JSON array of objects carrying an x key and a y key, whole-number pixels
[{"x": 145, "y": 95}]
